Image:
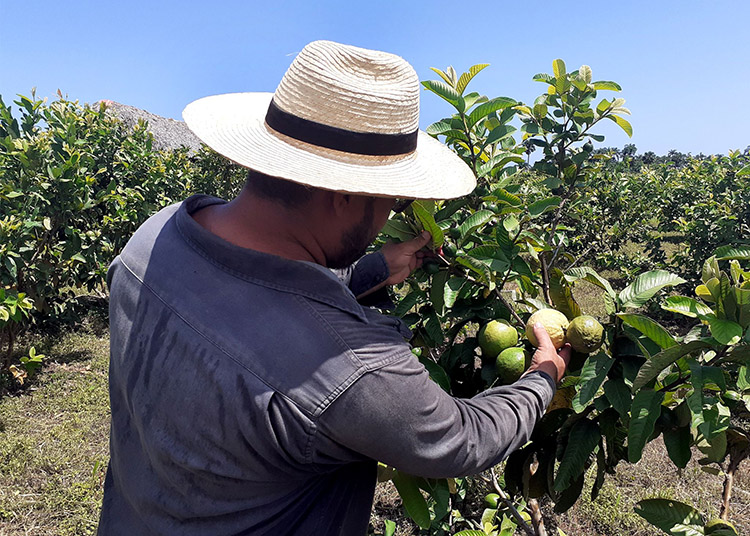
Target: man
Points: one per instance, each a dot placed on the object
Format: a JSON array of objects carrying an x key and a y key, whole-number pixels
[{"x": 251, "y": 393}]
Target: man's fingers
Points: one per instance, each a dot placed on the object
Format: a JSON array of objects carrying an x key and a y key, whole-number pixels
[
  {"x": 415, "y": 244},
  {"x": 543, "y": 337},
  {"x": 565, "y": 352}
]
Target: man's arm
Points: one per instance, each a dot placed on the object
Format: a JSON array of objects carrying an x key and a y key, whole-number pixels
[{"x": 398, "y": 416}]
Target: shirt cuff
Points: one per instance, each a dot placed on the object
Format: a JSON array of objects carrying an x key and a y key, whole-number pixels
[{"x": 368, "y": 272}]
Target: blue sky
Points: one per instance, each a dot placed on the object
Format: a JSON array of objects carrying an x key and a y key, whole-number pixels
[{"x": 683, "y": 66}]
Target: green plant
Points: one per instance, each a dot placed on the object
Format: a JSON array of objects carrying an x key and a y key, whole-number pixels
[{"x": 504, "y": 253}]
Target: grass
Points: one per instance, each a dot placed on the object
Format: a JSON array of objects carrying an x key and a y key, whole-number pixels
[{"x": 53, "y": 442}]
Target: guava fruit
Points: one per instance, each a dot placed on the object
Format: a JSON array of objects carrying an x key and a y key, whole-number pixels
[
  {"x": 496, "y": 336},
  {"x": 553, "y": 321},
  {"x": 491, "y": 500},
  {"x": 563, "y": 399},
  {"x": 511, "y": 363},
  {"x": 585, "y": 334}
]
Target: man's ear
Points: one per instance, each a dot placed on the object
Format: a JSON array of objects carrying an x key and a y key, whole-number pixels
[{"x": 340, "y": 204}]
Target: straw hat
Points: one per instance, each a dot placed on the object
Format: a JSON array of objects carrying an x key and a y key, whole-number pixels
[{"x": 343, "y": 118}]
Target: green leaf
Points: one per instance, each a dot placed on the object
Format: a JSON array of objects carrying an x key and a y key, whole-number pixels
[
  {"x": 542, "y": 77},
  {"x": 440, "y": 127},
  {"x": 489, "y": 252},
  {"x": 725, "y": 331},
  {"x": 444, "y": 76},
  {"x": 605, "y": 84},
  {"x": 618, "y": 394},
  {"x": 623, "y": 123},
  {"x": 537, "y": 208},
  {"x": 585, "y": 73},
  {"x": 478, "y": 267},
  {"x": 443, "y": 90},
  {"x": 399, "y": 230},
  {"x": 687, "y": 306},
  {"x": 663, "y": 359},
  {"x": 474, "y": 221},
  {"x": 678, "y": 442},
  {"x": 649, "y": 328},
  {"x": 590, "y": 275},
  {"x": 489, "y": 107},
  {"x": 437, "y": 373},
  {"x": 510, "y": 223},
  {"x": 583, "y": 439},
  {"x": 498, "y": 133},
  {"x": 741, "y": 253},
  {"x": 452, "y": 289},
  {"x": 412, "y": 498},
  {"x": 738, "y": 354},
  {"x": 465, "y": 78},
  {"x": 743, "y": 378},
  {"x": 673, "y": 517},
  {"x": 433, "y": 327},
  {"x": 507, "y": 198},
  {"x": 645, "y": 286},
  {"x": 645, "y": 409},
  {"x": 562, "y": 294},
  {"x": 437, "y": 290},
  {"x": 593, "y": 374},
  {"x": 558, "y": 67},
  {"x": 407, "y": 302},
  {"x": 428, "y": 223}
]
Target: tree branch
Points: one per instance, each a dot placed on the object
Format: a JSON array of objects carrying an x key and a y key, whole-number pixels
[{"x": 509, "y": 504}]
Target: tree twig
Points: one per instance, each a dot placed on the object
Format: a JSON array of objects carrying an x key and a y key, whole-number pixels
[
  {"x": 735, "y": 459},
  {"x": 509, "y": 505},
  {"x": 510, "y": 308},
  {"x": 536, "y": 518}
]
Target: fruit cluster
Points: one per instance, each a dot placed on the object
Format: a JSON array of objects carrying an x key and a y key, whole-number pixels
[{"x": 498, "y": 340}]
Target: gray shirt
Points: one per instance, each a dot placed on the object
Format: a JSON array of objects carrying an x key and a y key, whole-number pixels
[{"x": 252, "y": 394}]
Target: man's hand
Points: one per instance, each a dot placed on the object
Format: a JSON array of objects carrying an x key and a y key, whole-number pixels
[
  {"x": 546, "y": 358},
  {"x": 402, "y": 259}
]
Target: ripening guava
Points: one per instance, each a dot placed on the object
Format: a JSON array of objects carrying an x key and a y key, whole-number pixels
[{"x": 553, "y": 321}]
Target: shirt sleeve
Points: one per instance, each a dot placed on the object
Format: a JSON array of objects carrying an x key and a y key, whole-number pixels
[
  {"x": 398, "y": 416},
  {"x": 367, "y": 272}
]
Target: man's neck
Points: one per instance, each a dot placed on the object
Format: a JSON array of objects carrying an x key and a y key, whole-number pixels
[{"x": 260, "y": 225}]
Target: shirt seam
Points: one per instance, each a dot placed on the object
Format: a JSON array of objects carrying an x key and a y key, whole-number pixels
[
  {"x": 213, "y": 342},
  {"x": 290, "y": 290}
]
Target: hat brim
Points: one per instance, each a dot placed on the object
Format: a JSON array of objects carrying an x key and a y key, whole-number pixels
[{"x": 234, "y": 125}]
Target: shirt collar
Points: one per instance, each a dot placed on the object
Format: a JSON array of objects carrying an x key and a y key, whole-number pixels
[{"x": 271, "y": 271}]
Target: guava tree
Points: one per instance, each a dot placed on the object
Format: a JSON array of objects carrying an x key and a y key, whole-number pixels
[{"x": 501, "y": 254}]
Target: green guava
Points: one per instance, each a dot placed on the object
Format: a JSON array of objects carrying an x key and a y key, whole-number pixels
[
  {"x": 496, "y": 336},
  {"x": 585, "y": 334},
  {"x": 511, "y": 363}
]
